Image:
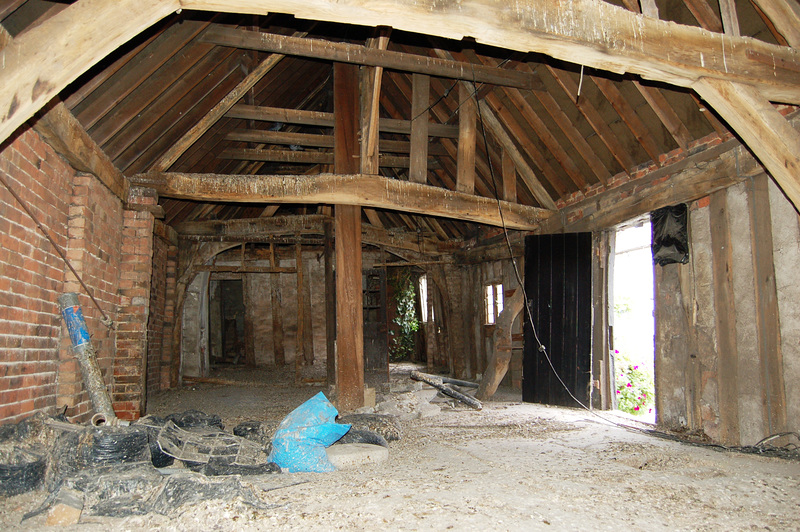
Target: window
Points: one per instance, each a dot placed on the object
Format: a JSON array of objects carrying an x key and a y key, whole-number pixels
[
  {"x": 493, "y": 296},
  {"x": 423, "y": 297}
]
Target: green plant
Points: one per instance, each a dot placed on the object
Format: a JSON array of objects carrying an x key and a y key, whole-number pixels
[
  {"x": 403, "y": 341},
  {"x": 635, "y": 393}
]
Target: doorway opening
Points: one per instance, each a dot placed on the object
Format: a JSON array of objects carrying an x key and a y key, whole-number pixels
[
  {"x": 227, "y": 314},
  {"x": 634, "y": 320}
]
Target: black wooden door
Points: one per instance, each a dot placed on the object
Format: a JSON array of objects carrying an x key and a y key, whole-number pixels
[
  {"x": 376, "y": 339},
  {"x": 558, "y": 283}
]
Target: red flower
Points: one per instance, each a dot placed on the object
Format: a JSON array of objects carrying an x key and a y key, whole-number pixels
[
  {"x": 636, "y": 408},
  {"x": 629, "y": 385}
]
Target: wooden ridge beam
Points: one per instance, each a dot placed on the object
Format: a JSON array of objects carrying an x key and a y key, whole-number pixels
[
  {"x": 601, "y": 35},
  {"x": 323, "y": 119},
  {"x": 346, "y": 189},
  {"x": 375, "y": 57}
]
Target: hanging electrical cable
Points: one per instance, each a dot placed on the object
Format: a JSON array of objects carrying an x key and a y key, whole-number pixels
[
  {"x": 105, "y": 319},
  {"x": 790, "y": 451}
]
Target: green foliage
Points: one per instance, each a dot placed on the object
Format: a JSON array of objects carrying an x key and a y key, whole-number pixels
[
  {"x": 403, "y": 343},
  {"x": 635, "y": 393},
  {"x": 623, "y": 306}
]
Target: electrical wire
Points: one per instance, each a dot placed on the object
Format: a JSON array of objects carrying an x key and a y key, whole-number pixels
[{"x": 788, "y": 451}]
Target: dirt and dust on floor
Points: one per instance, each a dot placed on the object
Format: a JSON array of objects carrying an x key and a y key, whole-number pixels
[{"x": 509, "y": 466}]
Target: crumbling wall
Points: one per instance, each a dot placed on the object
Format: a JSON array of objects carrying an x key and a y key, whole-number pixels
[{"x": 727, "y": 346}]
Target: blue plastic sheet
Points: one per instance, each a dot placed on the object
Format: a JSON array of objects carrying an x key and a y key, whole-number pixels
[{"x": 300, "y": 441}]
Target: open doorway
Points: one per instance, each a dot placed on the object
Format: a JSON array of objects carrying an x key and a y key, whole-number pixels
[{"x": 634, "y": 322}]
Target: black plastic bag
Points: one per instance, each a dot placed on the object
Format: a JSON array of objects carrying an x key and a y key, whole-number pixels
[
  {"x": 153, "y": 426},
  {"x": 670, "y": 235},
  {"x": 21, "y": 471},
  {"x": 194, "y": 419}
]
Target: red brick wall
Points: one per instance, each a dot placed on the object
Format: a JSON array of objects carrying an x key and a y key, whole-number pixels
[
  {"x": 109, "y": 247},
  {"x": 31, "y": 276},
  {"x": 95, "y": 215},
  {"x": 155, "y": 325}
]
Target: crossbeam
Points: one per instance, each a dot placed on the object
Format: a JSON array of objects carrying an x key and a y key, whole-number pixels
[{"x": 344, "y": 189}]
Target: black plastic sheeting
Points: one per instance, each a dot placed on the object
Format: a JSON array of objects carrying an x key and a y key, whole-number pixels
[{"x": 670, "y": 235}]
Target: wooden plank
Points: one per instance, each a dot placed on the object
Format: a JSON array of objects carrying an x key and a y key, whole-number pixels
[
  {"x": 785, "y": 15},
  {"x": 705, "y": 15},
  {"x": 767, "y": 313},
  {"x": 730, "y": 20},
  {"x": 66, "y": 135},
  {"x": 375, "y": 57},
  {"x": 276, "y": 299},
  {"x": 219, "y": 110},
  {"x": 371, "y": 97},
  {"x": 525, "y": 171},
  {"x": 649, "y": 8},
  {"x": 300, "y": 344},
  {"x": 165, "y": 49},
  {"x": 370, "y": 191},
  {"x": 665, "y": 113},
  {"x": 594, "y": 119},
  {"x": 541, "y": 129},
  {"x": 509, "y": 173},
  {"x": 264, "y": 136},
  {"x": 420, "y": 101},
  {"x": 307, "y": 157},
  {"x": 771, "y": 137},
  {"x": 629, "y": 116},
  {"x": 725, "y": 319},
  {"x": 10, "y": 7},
  {"x": 323, "y": 119},
  {"x": 786, "y": 21},
  {"x": 330, "y": 303},
  {"x": 467, "y": 136}
]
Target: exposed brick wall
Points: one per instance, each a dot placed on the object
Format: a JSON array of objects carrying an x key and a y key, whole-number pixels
[
  {"x": 31, "y": 276},
  {"x": 134, "y": 305},
  {"x": 109, "y": 247},
  {"x": 156, "y": 334},
  {"x": 95, "y": 215}
]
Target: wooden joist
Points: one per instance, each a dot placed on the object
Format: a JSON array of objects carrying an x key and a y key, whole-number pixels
[
  {"x": 323, "y": 119},
  {"x": 347, "y": 189},
  {"x": 785, "y": 15},
  {"x": 375, "y": 57},
  {"x": 307, "y": 157}
]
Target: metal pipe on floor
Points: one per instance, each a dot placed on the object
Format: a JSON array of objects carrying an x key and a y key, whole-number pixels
[{"x": 87, "y": 360}]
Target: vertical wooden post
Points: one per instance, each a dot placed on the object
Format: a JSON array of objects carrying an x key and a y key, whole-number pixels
[
  {"x": 277, "y": 311},
  {"x": 420, "y": 96},
  {"x": 725, "y": 311},
  {"x": 602, "y": 393},
  {"x": 330, "y": 304},
  {"x": 467, "y": 113},
  {"x": 249, "y": 314},
  {"x": 299, "y": 350},
  {"x": 768, "y": 326},
  {"x": 509, "y": 192},
  {"x": 349, "y": 304}
]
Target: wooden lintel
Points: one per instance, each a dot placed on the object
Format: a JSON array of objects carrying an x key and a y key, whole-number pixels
[
  {"x": 66, "y": 135},
  {"x": 242, "y": 269},
  {"x": 323, "y": 119},
  {"x": 375, "y": 57},
  {"x": 356, "y": 189}
]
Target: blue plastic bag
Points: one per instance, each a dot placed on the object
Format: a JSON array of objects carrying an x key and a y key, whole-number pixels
[{"x": 300, "y": 441}]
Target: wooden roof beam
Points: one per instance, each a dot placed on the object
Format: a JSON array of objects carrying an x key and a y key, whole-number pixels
[
  {"x": 596, "y": 34},
  {"x": 362, "y": 55},
  {"x": 368, "y": 191}
]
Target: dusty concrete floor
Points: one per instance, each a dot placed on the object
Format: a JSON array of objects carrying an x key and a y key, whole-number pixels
[{"x": 512, "y": 466}]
